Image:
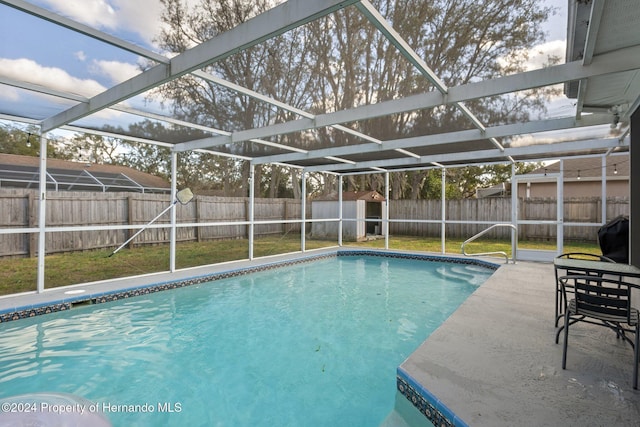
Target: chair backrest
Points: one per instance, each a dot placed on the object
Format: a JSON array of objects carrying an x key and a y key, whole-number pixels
[
  {"x": 601, "y": 298},
  {"x": 586, "y": 256}
]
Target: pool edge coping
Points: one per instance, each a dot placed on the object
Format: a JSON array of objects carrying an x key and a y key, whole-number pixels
[{"x": 426, "y": 402}]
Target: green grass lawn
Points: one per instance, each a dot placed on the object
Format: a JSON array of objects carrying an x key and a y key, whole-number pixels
[{"x": 19, "y": 274}]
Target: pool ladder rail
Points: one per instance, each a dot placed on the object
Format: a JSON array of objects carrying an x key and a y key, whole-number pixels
[{"x": 514, "y": 239}]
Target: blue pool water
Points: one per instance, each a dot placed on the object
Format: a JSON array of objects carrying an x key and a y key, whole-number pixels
[{"x": 311, "y": 344}]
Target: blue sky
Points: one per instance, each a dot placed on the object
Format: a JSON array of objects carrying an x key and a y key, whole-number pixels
[
  {"x": 52, "y": 47},
  {"x": 44, "y": 53}
]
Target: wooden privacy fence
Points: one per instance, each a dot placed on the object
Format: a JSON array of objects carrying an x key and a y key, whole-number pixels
[
  {"x": 19, "y": 209},
  {"x": 494, "y": 210}
]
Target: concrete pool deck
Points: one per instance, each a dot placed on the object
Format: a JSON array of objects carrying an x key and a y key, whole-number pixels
[{"x": 494, "y": 362}]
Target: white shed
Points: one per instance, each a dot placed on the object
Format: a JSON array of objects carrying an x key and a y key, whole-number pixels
[{"x": 363, "y": 215}]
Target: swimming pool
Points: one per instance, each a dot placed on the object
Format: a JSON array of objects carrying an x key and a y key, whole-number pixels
[{"x": 313, "y": 343}]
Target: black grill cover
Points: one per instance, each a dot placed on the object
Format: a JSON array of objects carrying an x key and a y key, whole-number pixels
[{"x": 614, "y": 239}]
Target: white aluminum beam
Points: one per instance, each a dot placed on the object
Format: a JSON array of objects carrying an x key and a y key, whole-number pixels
[
  {"x": 538, "y": 150},
  {"x": 597, "y": 7},
  {"x": 274, "y": 22},
  {"x": 142, "y": 140},
  {"x": 446, "y": 138},
  {"x": 170, "y": 145},
  {"x": 174, "y": 196},
  {"x": 582, "y": 89},
  {"x": 17, "y": 119},
  {"x": 42, "y": 89},
  {"x": 42, "y": 214},
  {"x": 613, "y": 62},
  {"x": 140, "y": 113}
]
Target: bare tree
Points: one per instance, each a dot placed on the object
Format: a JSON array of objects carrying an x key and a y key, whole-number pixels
[
  {"x": 277, "y": 68},
  {"x": 460, "y": 40},
  {"x": 342, "y": 61}
]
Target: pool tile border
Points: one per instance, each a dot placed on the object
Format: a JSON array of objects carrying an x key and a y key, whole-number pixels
[
  {"x": 426, "y": 402},
  {"x": 36, "y": 310},
  {"x": 420, "y": 257}
]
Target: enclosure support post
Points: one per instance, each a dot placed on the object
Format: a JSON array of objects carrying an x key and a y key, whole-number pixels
[
  {"x": 514, "y": 212},
  {"x": 252, "y": 200},
  {"x": 443, "y": 213},
  {"x": 172, "y": 238},
  {"x": 386, "y": 208},
  {"x": 603, "y": 198},
  {"x": 634, "y": 190},
  {"x": 560, "y": 210},
  {"x": 303, "y": 224},
  {"x": 42, "y": 219},
  {"x": 340, "y": 210}
]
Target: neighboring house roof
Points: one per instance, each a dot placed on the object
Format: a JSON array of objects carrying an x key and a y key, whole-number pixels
[
  {"x": 373, "y": 196},
  {"x": 589, "y": 167},
  {"x": 23, "y": 172},
  {"x": 499, "y": 190}
]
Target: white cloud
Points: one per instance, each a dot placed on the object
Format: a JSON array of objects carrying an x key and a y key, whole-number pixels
[
  {"x": 96, "y": 13},
  {"x": 566, "y": 135},
  {"x": 80, "y": 55},
  {"x": 139, "y": 17},
  {"x": 29, "y": 71},
  {"x": 116, "y": 71},
  {"x": 10, "y": 94},
  {"x": 560, "y": 106},
  {"x": 539, "y": 55}
]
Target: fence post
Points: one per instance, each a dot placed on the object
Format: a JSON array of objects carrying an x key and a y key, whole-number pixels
[
  {"x": 130, "y": 215},
  {"x": 198, "y": 210},
  {"x": 285, "y": 225},
  {"x": 247, "y": 218},
  {"x": 524, "y": 234},
  {"x": 33, "y": 221}
]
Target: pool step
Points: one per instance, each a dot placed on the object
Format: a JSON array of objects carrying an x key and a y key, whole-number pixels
[{"x": 456, "y": 272}]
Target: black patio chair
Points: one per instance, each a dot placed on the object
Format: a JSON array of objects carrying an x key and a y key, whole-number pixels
[
  {"x": 604, "y": 302},
  {"x": 561, "y": 302}
]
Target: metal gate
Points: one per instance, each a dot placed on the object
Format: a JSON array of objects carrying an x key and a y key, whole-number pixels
[{"x": 517, "y": 218}]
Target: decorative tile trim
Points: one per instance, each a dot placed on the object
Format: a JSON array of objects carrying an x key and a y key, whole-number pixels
[
  {"x": 26, "y": 312},
  {"x": 426, "y": 402},
  {"x": 420, "y": 257}
]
